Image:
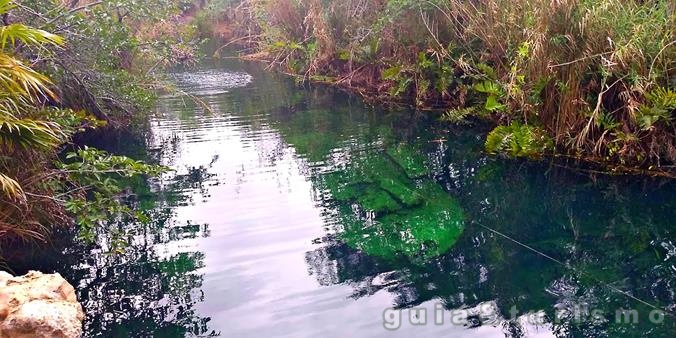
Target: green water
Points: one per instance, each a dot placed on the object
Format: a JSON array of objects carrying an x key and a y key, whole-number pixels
[{"x": 302, "y": 212}]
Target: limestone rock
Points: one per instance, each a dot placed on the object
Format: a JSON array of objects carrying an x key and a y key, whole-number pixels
[{"x": 38, "y": 306}]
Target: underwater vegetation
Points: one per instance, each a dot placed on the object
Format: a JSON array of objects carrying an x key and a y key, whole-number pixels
[{"x": 389, "y": 208}]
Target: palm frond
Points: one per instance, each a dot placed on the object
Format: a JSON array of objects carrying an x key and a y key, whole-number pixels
[
  {"x": 10, "y": 187},
  {"x": 6, "y": 6},
  {"x": 28, "y": 133},
  {"x": 18, "y": 79},
  {"x": 30, "y": 36}
]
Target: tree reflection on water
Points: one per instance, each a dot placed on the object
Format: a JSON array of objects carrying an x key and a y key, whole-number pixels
[
  {"x": 613, "y": 235},
  {"x": 145, "y": 288}
]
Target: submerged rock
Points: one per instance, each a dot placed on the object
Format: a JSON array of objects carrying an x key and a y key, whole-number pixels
[
  {"x": 38, "y": 305},
  {"x": 390, "y": 209},
  {"x": 419, "y": 233}
]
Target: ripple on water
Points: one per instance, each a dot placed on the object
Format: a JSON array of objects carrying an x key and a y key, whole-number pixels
[
  {"x": 210, "y": 82},
  {"x": 247, "y": 238}
]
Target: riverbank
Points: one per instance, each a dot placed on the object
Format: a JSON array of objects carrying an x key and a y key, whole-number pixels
[
  {"x": 57, "y": 88},
  {"x": 254, "y": 218},
  {"x": 591, "y": 81}
]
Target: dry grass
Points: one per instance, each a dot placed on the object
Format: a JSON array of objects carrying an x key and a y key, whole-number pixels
[
  {"x": 580, "y": 69},
  {"x": 29, "y": 217}
]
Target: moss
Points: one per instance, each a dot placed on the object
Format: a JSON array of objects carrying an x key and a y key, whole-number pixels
[
  {"x": 378, "y": 201},
  {"x": 400, "y": 191},
  {"x": 340, "y": 189},
  {"x": 415, "y": 221},
  {"x": 418, "y": 233},
  {"x": 410, "y": 159}
]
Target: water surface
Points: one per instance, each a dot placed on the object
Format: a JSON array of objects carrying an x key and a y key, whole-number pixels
[{"x": 302, "y": 212}]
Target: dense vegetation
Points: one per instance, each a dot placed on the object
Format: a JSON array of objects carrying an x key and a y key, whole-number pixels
[
  {"x": 586, "y": 79},
  {"x": 65, "y": 68},
  {"x": 592, "y": 79}
]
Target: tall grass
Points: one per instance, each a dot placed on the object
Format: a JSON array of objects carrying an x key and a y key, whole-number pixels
[{"x": 597, "y": 76}]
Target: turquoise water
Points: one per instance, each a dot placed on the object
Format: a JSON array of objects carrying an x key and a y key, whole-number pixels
[{"x": 303, "y": 212}]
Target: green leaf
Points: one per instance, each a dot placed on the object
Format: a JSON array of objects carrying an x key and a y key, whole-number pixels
[
  {"x": 28, "y": 35},
  {"x": 518, "y": 140},
  {"x": 391, "y": 73},
  {"x": 489, "y": 87},
  {"x": 6, "y": 6},
  {"x": 27, "y": 133},
  {"x": 524, "y": 49},
  {"x": 493, "y": 105},
  {"x": 402, "y": 86},
  {"x": 486, "y": 70}
]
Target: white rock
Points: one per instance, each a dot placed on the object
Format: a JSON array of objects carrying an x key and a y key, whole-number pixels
[{"x": 38, "y": 306}]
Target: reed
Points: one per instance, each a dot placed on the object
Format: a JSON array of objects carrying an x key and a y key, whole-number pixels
[{"x": 596, "y": 76}]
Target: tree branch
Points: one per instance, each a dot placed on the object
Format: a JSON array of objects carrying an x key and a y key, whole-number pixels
[{"x": 72, "y": 11}]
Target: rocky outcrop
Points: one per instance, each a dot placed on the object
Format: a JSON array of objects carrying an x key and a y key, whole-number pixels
[{"x": 38, "y": 305}]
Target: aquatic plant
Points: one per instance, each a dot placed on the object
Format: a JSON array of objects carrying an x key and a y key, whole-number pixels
[
  {"x": 410, "y": 159},
  {"x": 419, "y": 233},
  {"x": 395, "y": 216}
]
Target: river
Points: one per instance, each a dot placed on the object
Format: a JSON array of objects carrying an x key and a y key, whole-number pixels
[{"x": 303, "y": 212}]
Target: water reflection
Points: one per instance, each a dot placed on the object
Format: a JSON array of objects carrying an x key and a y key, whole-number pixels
[
  {"x": 149, "y": 289},
  {"x": 302, "y": 212},
  {"x": 612, "y": 236},
  {"x": 150, "y": 286}
]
